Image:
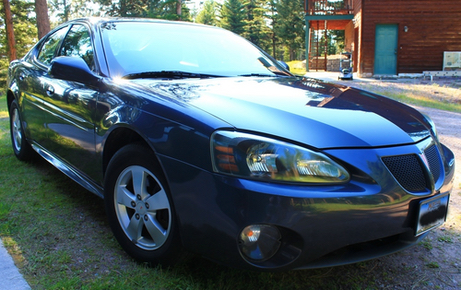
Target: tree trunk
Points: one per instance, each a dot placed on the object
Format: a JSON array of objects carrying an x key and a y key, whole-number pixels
[
  {"x": 43, "y": 22},
  {"x": 179, "y": 8},
  {"x": 9, "y": 31}
]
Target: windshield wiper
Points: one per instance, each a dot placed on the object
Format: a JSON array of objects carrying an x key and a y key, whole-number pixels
[
  {"x": 168, "y": 74},
  {"x": 256, "y": 75},
  {"x": 275, "y": 74}
]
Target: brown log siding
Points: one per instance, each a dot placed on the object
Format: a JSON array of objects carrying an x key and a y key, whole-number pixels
[{"x": 433, "y": 27}]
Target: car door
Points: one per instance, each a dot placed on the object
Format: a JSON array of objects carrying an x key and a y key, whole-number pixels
[
  {"x": 33, "y": 85},
  {"x": 72, "y": 106}
]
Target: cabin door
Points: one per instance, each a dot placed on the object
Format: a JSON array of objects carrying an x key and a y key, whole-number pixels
[{"x": 386, "y": 49}]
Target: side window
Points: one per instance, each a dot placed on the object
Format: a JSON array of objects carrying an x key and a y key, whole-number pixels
[
  {"x": 48, "y": 49},
  {"x": 78, "y": 43}
]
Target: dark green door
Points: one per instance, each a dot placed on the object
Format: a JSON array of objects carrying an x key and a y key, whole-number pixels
[{"x": 386, "y": 49}]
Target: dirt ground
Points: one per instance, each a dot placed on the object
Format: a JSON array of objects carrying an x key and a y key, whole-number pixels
[{"x": 436, "y": 263}]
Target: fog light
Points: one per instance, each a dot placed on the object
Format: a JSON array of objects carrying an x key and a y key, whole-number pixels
[{"x": 259, "y": 242}]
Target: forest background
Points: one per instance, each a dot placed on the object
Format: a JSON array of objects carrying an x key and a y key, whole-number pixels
[{"x": 277, "y": 26}]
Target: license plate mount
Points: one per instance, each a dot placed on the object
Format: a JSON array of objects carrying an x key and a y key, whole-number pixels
[{"x": 432, "y": 213}]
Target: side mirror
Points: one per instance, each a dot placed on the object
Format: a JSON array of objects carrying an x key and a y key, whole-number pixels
[
  {"x": 284, "y": 65},
  {"x": 72, "y": 68}
]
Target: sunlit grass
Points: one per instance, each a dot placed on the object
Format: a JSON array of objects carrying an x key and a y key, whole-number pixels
[
  {"x": 297, "y": 68},
  {"x": 3, "y": 107},
  {"x": 424, "y": 95}
]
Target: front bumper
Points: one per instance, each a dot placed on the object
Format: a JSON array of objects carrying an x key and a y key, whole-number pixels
[{"x": 370, "y": 216}]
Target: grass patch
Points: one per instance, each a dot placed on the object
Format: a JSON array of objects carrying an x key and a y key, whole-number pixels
[
  {"x": 297, "y": 67},
  {"x": 419, "y": 95},
  {"x": 445, "y": 239},
  {"x": 433, "y": 265},
  {"x": 427, "y": 245},
  {"x": 58, "y": 235},
  {"x": 3, "y": 107}
]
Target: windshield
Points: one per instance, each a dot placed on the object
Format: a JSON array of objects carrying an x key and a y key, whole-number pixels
[{"x": 134, "y": 48}]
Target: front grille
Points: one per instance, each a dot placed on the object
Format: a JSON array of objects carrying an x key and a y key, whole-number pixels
[
  {"x": 412, "y": 173},
  {"x": 434, "y": 161},
  {"x": 408, "y": 171}
]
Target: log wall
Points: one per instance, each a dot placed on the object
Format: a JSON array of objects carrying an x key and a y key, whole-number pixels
[{"x": 432, "y": 28}]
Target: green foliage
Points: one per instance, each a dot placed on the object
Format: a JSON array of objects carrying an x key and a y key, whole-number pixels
[
  {"x": 427, "y": 245},
  {"x": 256, "y": 29},
  {"x": 433, "y": 265},
  {"x": 208, "y": 15},
  {"x": 290, "y": 27},
  {"x": 338, "y": 39},
  {"x": 233, "y": 16},
  {"x": 66, "y": 10},
  {"x": 25, "y": 27},
  {"x": 25, "y": 30},
  {"x": 445, "y": 239},
  {"x": 160, "y": 9}
]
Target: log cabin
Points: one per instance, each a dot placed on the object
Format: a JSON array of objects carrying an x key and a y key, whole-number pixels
[{"x": 387, "y": 37}]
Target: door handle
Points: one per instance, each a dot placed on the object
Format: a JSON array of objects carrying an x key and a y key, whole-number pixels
[{"x": 50, "y": 91}]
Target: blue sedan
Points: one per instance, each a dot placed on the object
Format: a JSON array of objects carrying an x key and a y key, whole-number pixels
[{"x": 199, "y": 141}]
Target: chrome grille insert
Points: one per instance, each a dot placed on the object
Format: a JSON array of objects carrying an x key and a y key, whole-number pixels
[
  {"x": 408, "y": 171},
  {"x": 434, "y": 161},
  {"x": 417, "y": 172}
]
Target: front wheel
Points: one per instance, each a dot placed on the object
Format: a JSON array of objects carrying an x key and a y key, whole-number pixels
[{"x": 139, "y": 207}]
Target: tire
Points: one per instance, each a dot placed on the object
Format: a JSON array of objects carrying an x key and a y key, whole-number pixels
[
  {"x": 139, "y": 207},
  {"x": 21, "y": 147}
]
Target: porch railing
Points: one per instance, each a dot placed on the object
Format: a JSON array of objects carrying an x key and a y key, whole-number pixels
[{"x": 328, "y": 7}]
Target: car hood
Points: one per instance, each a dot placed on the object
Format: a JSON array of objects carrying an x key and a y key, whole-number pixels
[{"x": 307, "y": 111}]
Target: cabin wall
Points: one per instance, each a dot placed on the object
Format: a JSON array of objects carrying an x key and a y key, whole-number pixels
[{"x": 426, "y": 29}]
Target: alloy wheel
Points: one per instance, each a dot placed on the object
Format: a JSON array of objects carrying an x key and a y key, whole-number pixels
[{"x": 142, "y": 207}]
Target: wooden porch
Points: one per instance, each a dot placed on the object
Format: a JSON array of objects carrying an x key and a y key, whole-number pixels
[
  {"x": 328, "y": 7},
  {"x": 321, "y": 16}
]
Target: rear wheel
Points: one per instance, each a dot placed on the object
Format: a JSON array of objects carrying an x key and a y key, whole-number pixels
[
  {"x": 21, "y": 147},
  {"x": 139, "y": 207}
]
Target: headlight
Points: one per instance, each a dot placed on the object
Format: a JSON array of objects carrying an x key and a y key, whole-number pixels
[{"x": 255, "y": 157}]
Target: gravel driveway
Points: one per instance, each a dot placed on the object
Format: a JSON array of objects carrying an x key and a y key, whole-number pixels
[{"x": 436, "y": 262}]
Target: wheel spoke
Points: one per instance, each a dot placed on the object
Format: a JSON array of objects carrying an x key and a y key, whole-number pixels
[
  {"x": 156, "y": 231},
  {"x": 125, "y": 197},
  {"x": 158, "y": 201},
  {"x": 134, "y": 228},
  {"x": 139, "y": 181}
]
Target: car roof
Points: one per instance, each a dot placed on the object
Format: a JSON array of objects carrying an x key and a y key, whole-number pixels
[{"x": 101, "y": 20}]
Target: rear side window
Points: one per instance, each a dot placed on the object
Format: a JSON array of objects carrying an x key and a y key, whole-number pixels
[
  {"x": 48, "y": 50},
  {"x": 78, "y": 43}
]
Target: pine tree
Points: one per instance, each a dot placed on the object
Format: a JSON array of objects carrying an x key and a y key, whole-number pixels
[
  {"x": 208, "y": 15},
  {"x": 255, "y": 29},
  {"x": 160, "y": 9},
  {"x": 66, "y": 10},
  {"x": 25, "y": 33},
  {"x": 233, "y": 16},
  {"x": 290, "y": 25}
]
